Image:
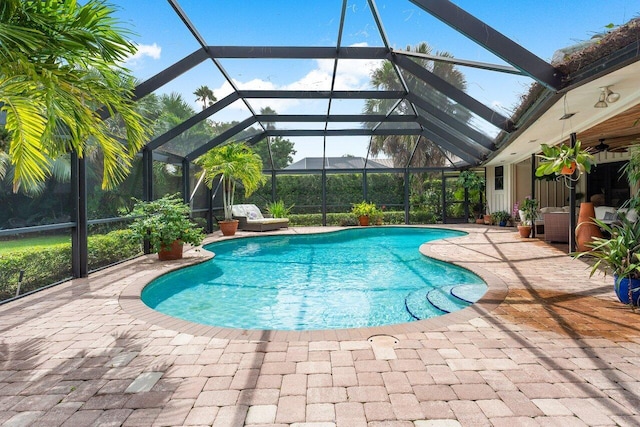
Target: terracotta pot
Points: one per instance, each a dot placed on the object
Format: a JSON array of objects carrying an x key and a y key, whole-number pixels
[
  {"x": 168, "y": 253},
  {"x": 487, "y": 219},
  {"x": 364, "y": 220},
  {"x": 228, "y": 228},
  {"x": 524, "y": 230},
  {"x": 479, "y": 220},
  {"x": 586, "y": 229},
  {"x": 568, "y": 170}
]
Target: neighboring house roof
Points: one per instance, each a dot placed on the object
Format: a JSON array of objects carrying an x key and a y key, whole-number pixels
[{"x": 310, "y": 163}]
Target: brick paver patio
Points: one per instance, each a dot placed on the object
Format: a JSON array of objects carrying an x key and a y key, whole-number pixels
[{"x": 546, "y": 346}]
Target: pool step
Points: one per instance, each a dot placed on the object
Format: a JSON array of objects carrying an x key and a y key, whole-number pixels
[{"x": 428, "y": 302}]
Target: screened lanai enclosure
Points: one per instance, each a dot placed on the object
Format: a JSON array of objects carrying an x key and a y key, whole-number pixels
[{"x": 391, "y": 100}]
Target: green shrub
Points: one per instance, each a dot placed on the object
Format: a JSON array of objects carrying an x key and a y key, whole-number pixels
[
  {"x": 347, "y": 219},
  {"x": 106, "y": 249},
  {"x": 45, "y": 265},
  {"x": 41, "y": 267}
]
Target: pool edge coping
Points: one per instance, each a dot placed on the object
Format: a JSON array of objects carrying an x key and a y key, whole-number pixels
[{"x": 129, "y": 299}]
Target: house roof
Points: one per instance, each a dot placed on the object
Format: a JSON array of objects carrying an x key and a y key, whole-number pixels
[
  {"x": 609, "y": 61},
  {"x": 318, "y": 163}
]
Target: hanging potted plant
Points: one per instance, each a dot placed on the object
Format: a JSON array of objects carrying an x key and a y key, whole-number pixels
[
  {"x": 166, "y": 225},
  {"x": 234, "y": 163},
  {"x": 564, "y": 160}
]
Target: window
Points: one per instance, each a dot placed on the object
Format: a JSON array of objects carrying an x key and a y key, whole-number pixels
[{"x": 499, "y": 179}]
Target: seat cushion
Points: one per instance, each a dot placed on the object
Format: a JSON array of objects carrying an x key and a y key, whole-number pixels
[
  {"x": 250, "y": 211},
  {"x": 602, "y": 210},
  {"x": 268, "y": 221},
  {"x": 631, "y": 214}
]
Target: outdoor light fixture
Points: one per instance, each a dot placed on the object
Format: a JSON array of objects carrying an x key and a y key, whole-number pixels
[{"x": 606, "y": 97}]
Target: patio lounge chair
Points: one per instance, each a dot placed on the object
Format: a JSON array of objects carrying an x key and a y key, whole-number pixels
[{"x": 251, "y": 219}]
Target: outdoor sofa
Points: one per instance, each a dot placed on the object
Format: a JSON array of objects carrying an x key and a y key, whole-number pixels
[
  {"x": 251, "y": 219},
  {"x": 556, "y": 220}
]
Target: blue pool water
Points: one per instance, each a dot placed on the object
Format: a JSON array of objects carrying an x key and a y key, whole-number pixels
[{"x": 356, "y": 277}]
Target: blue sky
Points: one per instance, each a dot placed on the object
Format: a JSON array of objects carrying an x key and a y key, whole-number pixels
[{"x": 540, "y": 26}]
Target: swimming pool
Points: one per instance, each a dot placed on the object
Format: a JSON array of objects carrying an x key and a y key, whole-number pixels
[{"x": 357, "y": 277}]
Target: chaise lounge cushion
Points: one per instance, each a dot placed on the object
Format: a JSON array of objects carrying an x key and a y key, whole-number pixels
[{"x": 251, "y": 219}]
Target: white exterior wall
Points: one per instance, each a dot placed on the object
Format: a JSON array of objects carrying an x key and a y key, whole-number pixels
[
  {"x": 517, "y": 185},
  {"x": 499, "y": 200}
]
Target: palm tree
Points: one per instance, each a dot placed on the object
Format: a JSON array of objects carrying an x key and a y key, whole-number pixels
[
  {"x": 59, "y": 62},
  {"x": 205, "y": 95},
  {"x": 400, "y": 147},
  {"x": 235, "y": 163}
]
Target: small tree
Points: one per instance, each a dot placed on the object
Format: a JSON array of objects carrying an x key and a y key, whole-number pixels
[{"x": 235, "y": 163}]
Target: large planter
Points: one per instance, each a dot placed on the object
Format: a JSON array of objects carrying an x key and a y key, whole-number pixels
[
  {"x": 524, "y": 230},
  {"x": 487, "y": 219},
  {"x": 169, "y": 253},
  {"x": 364, "y": 220},
  {"x": 228, "y": 228},
  {"x": 586, "y": 229},
  {"x": 622, "y": 290}
]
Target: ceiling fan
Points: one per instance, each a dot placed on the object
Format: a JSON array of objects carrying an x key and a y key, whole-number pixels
[
  {"x": 601, "y": 147},
  {"x": 616, "y": 148}
]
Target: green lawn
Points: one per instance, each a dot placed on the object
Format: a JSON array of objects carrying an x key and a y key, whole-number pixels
[{"x": 32, "y": 242}]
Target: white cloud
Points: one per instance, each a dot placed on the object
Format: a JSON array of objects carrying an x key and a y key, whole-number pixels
[
  {"x": 352, "y": 74},
  {"x": 152, "y": 51}
]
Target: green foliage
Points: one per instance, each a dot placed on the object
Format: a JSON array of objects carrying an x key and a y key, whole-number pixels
[
  {"x": 632, "y": 170},
  {"x": 282, "y": 151},
  {"x": 279, "y": 209},
  {"x": 59, "y": 62},
  {"x": 45, "y": 265},
  {"x": 235, "y": 163},
  {"x": 364, "y": 209},
  {"x": 107, "y": 249},
  {"x": 555, "y": 158},
  {"x": 471, "y": 180},
  {"x": 205, "y": 95},
  {"x": 619, "y": 254},
  {"x": 163, "y": 221},
  {"x": 529, "y": 209},
  {"x": 32, "y": 243},
  {"x": 500, "y": 216},
  {"x": 347, "y": 219}
]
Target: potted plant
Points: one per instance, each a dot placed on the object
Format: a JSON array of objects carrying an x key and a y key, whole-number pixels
[
  {"x": 500, "y": 218},
  {"x": 529, "y": 212},
  {"x": 620, "y": 252},
  {"x": 234, "y": 163},
  {"x": 166, "y": 225},
  {"x": 620, "y": 255},
  {"x": 363, "y": 211},
  {"x": 564, "y": 160},
  {"x": 279, "y": 209}
]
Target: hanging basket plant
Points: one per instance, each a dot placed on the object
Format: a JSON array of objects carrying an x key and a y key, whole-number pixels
[{"x": 564, "y": 160}]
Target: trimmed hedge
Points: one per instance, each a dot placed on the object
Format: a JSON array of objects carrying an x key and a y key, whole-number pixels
[
  {"x": 107, "y": 249},
  {"x": 346, "y": 219},
  {"x": 46, "y": 265},
  {"x": 41, "y": 267}
]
